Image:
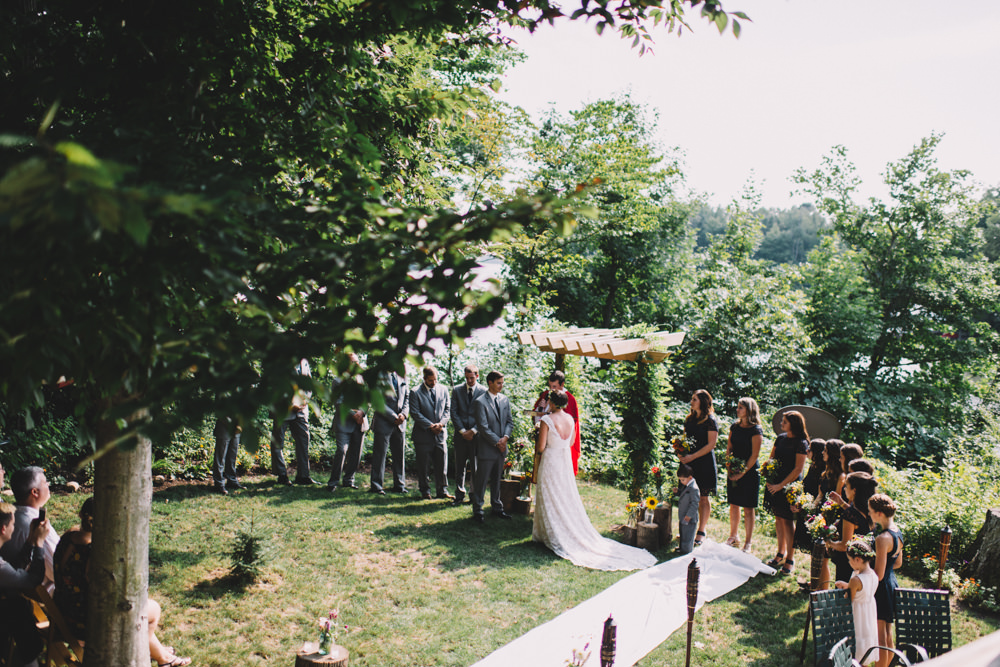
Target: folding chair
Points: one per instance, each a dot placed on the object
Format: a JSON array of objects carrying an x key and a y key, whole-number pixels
[
  {"x": 832, "y": 622},
  {"x": 923, "y": 622},
  {"x": 62, "y": 649}
]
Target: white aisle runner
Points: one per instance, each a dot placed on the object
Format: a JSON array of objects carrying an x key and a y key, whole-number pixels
[{"x": 647, "y": 606}]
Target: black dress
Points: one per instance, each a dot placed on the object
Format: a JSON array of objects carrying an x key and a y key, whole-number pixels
[
  {"x": 744, "y": 492},
  {"x": 862, "y": 526},
  {"x": 785, "y": 450},
  {"x": 885, "y": 604},
  {"x": 703, "y": 467}
]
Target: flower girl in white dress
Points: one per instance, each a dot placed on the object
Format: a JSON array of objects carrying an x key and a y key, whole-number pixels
[{"x": 561, "y": 523}]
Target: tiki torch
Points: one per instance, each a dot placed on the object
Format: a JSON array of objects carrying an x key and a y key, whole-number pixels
[
  {"x": 692, "y": 592},
  {"x": 609, "y": 642},
  {"x": 943, "y": 557}
]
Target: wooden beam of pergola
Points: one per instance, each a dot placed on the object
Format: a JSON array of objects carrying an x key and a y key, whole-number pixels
[{"x": 604, "y": 344}]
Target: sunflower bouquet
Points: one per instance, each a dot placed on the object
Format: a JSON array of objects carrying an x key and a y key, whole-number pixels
[
  {"x": 734, "y": 464},
  {"x": 771, "y": 471},
  {"x": 632, "y": 513},
  {"x": 650, "y": 504},
  {"x": 797, "y": 497}
]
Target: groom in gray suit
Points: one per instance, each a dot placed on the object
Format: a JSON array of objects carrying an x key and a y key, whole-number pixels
[
  {"x": 430, "y": 408},
  {"x": 463, "y": 418},
  {"x": 495, "y": 425}
]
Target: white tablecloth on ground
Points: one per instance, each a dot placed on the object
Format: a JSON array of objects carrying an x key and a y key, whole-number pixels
[{"x": 647, "y": 606}]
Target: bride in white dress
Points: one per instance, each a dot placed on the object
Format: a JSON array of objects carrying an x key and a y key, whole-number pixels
[{"x": 561, "y": 523}]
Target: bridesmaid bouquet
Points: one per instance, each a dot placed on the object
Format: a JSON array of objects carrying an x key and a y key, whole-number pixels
[
  {"x": 735, "y": 464},
  {"x": 831, "y": 512},
  {"x": 684, "y": 446},
  {"x": 771, "y": 471},
  {"x": 797, "y": 497},
  {"x": 819, "y": 530}
]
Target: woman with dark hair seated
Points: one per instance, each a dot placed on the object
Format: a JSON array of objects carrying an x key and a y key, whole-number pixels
[{"x": 71, "y": 562}]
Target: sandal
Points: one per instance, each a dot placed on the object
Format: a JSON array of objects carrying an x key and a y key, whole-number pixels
[
  {"x": 733, "y": 542},
  {"x": 697, "y": 537},
  {"x": 776, "y": 561},
  {"x": 176, "y": 662},
  {"x": 748, "y": 548},
  {"x": 787, "y": 567}
]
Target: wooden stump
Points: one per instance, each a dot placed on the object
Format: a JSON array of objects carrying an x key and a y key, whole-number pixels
[
  {"x": 509, "y": 490},
  {"x": 648, "y": 536},
  {"x": 984, "y": 553},
  {"x": 664, "y": 517},
  {"x": 629, "y": 535},
  {"x": 338, "y": 657},
  {"x": 522, "y": 505}
]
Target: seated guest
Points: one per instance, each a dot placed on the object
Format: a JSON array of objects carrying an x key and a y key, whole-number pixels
[
  {"x": 71, "y": 562},
  {"x": 16, "y": 619},
  {"x": 31, "y": 492}
]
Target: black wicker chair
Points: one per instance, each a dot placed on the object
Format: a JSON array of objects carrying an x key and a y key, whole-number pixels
[
  {"x": 923, "y": 623},
  {"x": 832, "y": 622}
]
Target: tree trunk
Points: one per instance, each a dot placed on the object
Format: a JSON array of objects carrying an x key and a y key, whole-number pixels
[
  {"x": 984, "y": 553},
  {"x": 119, "y": 563}
]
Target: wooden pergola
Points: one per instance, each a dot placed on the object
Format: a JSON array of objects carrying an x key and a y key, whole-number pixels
[{"x": 604, "y": 344}]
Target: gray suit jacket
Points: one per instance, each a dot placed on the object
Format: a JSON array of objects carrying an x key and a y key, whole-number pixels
[
  {"x": 492, "y": 424},
  {"x": 348, "y": 424},
  {"x": 463, "y": 411},
  {"x": 687, "y": 502},
  {"x": 429, "y": 407},
  {"x": 395, "y": 404}
]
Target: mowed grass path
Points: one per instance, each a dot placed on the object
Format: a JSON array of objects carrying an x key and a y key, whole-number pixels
[{"x": 417, "y": 582}]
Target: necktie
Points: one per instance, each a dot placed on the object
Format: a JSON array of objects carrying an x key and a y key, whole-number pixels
[{"x": 469, "y": 394}]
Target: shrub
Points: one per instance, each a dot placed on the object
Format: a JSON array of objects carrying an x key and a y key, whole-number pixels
[{"x": 249, "y": 554}]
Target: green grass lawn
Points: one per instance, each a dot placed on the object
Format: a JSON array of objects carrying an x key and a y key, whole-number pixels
[{"x": 417, "y": 582}]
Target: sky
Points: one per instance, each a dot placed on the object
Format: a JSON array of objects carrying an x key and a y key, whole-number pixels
[{"x": 876, "y": 76}]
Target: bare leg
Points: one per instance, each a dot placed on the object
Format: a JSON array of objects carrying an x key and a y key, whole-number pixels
[
  {"x": 885, "y": 639},
  {"x": 824, "y": 577},
  {"x": 704, "y": 510},
  {"x": 734, "y": 522},
  {"x": 779, "y": 528},
  {"x": 157, "y": 651},
  {"x": 748, "y": 521}
]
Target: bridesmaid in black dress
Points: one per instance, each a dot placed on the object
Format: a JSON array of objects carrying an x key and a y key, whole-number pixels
[
  {"x": 743, "y": 488},
  {"x": 790, "y": 449},
  {"x": 702, "y": 426}
]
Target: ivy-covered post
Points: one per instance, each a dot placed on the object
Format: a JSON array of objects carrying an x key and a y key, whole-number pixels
[{"x": 642, "y": 421}]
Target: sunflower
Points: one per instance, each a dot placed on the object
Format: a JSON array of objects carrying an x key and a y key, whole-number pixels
[{"x": 651, "y": 503}]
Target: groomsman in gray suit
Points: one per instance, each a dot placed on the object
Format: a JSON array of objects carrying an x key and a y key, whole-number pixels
[
  {"x": 390, "y": 434},
  {"x": 463, "y": 418},
  {"x": 350, "y": 431},
  {"x": 430, "y": 407},
  {"x": 495, "y": 425}
]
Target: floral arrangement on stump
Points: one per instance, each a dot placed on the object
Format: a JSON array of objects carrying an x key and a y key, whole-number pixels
[
  {"x": 656, "y": 476},
  {"x": 632, "y": 513},
  {"x": 650, "y": 504},
  {"x": 328, "y": 632},
  {"x": 520, "y": 458}
]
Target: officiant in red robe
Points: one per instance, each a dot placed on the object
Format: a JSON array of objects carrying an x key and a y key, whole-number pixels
[{"x": 557, "y": 382}]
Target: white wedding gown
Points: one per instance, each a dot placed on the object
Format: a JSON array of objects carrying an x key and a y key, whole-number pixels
[{"x": 562, "y": 524}]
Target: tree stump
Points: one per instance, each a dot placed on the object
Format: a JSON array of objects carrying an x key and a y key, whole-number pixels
[
  {"x": 664, "y": 517},
  {"x": 629, "y": 535},
  {"x": 338, "y": 657},
  {"x": 509, "y": 490},
  {"x": 522, "y": 506},
  {"x": 648, "y": 536},
  {"x": 984, "y": 553}
]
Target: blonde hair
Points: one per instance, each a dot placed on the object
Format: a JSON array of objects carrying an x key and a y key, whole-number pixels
[{"x": 6, "y": 513}]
